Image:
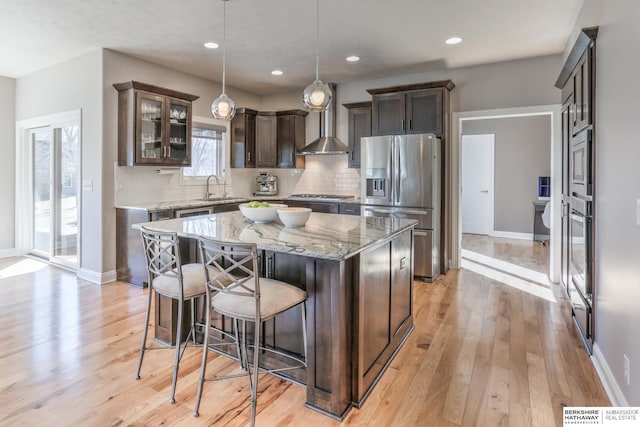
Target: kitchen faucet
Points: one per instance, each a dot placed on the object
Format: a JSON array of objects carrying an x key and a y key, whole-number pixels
[{"x": 208, "y": 194}]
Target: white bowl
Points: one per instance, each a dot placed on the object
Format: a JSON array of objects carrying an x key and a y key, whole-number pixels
[
  {"x": 261, "y": 214},
  {"x": 294, "y": 217}
]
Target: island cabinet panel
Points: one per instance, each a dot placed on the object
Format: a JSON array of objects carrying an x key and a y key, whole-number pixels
[
  {"x": 382, "y": 311},
  {"x": 375, "y": 295}
]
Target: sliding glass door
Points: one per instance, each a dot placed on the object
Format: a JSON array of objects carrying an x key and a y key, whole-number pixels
[{"x": 55, "y": 166}]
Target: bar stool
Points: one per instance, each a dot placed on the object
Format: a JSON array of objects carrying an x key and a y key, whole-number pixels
[
  {"x": 235, "y": 290},
  {"x": 168, "y": 277}
]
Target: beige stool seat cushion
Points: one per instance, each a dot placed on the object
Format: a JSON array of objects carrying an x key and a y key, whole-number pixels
[
  {"x": 193, "y": 282},
  {"x": 275, "y": 297}
]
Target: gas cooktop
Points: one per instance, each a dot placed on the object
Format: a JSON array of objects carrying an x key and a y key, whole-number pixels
[{"x": 325, "y": 197}]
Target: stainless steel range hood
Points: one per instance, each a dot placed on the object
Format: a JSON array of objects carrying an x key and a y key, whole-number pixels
[{"x": 327, "y": 143}]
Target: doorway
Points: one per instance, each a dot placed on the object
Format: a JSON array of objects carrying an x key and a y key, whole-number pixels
[
  {"x": 47, "y": 208},
  {"x": 552, "y": 112},
  {"x": 477, "y": 183}
]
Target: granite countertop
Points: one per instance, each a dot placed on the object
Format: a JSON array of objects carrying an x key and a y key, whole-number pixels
[
  {"x": 182, "y": 204},
  {"x": 327, "y": 236}
]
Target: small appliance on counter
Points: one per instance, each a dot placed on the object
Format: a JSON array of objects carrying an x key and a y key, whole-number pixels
[{"x": 266, "y": 184}]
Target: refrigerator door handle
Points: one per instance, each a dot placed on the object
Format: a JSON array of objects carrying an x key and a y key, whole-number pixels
[{"x": 397, "y": 171}]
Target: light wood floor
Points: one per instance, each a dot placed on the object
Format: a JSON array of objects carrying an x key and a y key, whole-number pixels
[{"x": 483, "y": 353}]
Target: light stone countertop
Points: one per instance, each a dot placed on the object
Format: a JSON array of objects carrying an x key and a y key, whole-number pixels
[
  {"x": 326, "y": 236},
  {"x": 186, "y": 204}
]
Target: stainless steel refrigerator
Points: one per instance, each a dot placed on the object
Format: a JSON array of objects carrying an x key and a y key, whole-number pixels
[{"x": 401, "y": 178}]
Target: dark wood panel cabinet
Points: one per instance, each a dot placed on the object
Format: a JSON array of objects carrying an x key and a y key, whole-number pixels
[
  {"x": 154, "y": 125},
  {"x": 418, "y": 108},
  {"x": 349, "y": 208},
  {"x": 243, "y": 138},
  {"x": 359, "y": 114},
  {"x": 266, "y": 139},
  {"x": 322, "y": 207},
  {"x": 577, "y": 83},
  {"x": 291, "y": 137}
]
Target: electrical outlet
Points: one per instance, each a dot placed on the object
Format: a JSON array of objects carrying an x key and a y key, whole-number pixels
[{"x": 627, "y": 370}]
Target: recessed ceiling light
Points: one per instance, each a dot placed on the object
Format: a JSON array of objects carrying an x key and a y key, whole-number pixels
[
  {"x": 211, "y": 45},
  {"x": 453, "y": 40},
  {"x": 277, "y": 72},
  {"x": 353, "y": 58}
]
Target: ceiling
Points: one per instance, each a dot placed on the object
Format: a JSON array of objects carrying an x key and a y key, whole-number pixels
[{"x": 391, "y": 37}]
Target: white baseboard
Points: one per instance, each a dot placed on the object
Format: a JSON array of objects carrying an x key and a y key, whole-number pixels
[
  {"x": 7, "y": 253},
  {"x": 97, "y": 277},
  {"x": 511, "y": 235},
  {"x": 608, "y": 380}
]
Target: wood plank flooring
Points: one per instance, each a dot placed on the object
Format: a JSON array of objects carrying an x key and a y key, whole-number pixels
[{"x": 483, "y": 353}]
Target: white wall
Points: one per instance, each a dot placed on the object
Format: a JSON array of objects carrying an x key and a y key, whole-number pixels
[
  {"x": 72, "y": 85},
  {"x": 617, "y": 188},
  {"x": 7, "y": 164}
]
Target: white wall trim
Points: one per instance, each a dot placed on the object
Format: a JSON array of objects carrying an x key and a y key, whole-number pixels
[
  {"x": 511, "y": 235},
  {"x": 96, "y": 276},
  {"x": 554, "y": 110},
  {"x": 8, "y": 253},
  {"x": 609, "y": 382}
]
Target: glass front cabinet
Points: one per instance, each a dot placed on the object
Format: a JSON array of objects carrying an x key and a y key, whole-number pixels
[{"x": 154, "y": 125}]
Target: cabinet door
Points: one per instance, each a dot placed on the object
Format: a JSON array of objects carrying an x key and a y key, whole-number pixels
[
  {"x": 227, "y": 207},
  {"x": 582, "y": 94},
  {"x": 266, "y": 138},
  {"x": 178, "y": 151},
  {"x": 424, "y": 111},
  {"x": 359, "y": 126},
  {"x": 400, "y": 281},
  {"x": 388, "y": 114},
  {"x": 291, "y": 134},
  {"x": 243, "y": 132},
  {"x": 349, "y": 209},
  {"x": 150, "y": 128}
]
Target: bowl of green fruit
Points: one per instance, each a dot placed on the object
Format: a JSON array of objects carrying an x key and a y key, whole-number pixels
[{"x": 261, "y": 211}]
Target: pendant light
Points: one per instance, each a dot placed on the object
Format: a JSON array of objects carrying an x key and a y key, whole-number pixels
[
  {"x": 223, "y": 107},
  {"x": 317, "y": 96}
]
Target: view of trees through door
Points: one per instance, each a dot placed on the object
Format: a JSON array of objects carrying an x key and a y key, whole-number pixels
[{"x": 55, "y": 166}]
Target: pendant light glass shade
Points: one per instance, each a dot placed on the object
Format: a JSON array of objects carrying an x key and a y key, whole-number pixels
[
  {"x": 317, "y": 96},
  {"x": 223, "y": 107}
]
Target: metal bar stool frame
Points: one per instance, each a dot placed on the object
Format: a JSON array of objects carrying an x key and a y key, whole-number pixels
[
  {"x": 230, "y": 270},
  {"x": 162, "y": 253}
]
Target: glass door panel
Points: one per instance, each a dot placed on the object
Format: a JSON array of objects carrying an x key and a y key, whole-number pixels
[
  {"x": 150, "y": 128},
  {"x": 41, "y": 145},
  {"x": 66, "y": 195},
  {"x": 178, "y": 128}
]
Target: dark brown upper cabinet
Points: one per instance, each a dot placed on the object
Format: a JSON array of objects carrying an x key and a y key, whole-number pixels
[
  {"x": 409, "y": 109},
  {"x": 266, "y": 139},
  {"x": 154, "y": 125},
  {"x": 359, "y": 126},
  {"x": 243, "y": 138},
  {"x": 291, "y": 138}
]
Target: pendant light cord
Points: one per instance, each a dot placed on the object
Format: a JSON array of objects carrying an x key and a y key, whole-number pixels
[
  {"x": 317, "y": 37},
  {"x": 224, "y": 42}
]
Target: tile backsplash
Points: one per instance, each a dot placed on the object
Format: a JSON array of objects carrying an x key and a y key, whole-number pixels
[{"x": 327, "y": 174}]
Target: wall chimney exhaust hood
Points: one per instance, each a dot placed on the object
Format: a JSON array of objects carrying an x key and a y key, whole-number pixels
[{"x": 327, "y": 143}]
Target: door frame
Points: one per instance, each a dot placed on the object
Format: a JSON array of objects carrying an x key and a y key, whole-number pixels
[
  {"x": 491, "y": 211},
  {"x": 24, "y": 179},
  {"x": 555, "y": 113}
]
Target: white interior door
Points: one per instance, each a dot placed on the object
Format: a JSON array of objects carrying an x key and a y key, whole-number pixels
[{"x": 477, "y": 183}]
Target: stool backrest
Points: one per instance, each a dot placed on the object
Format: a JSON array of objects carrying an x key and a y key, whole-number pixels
[
  {"x": 162, "y": 252},
  {"x": 231, "y": 268}
]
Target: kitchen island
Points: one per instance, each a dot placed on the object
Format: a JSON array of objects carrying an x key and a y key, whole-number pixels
[{"x": 357, "y": 272}]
